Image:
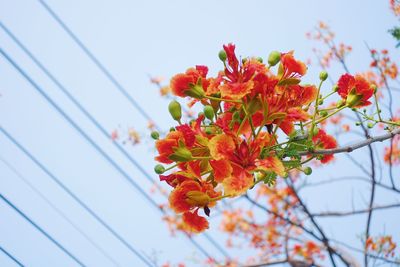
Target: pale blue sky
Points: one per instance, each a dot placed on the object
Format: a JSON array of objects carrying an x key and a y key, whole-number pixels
[{"x": 134, "y": 39}]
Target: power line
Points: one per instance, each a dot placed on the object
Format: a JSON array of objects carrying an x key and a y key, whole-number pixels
[
  {"x": 95, "y": 122},
  {"x": 71, "y": 194},
  {"x": 11, "y": 257},
  {"x": 97, "y": 62},
  {"x": 41, "y": 230},
  {"x": 58, "y": 211}
]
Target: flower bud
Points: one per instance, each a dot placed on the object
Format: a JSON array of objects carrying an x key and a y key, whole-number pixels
[
  {"x": 273, "y": 58},
  {"x": 323, "y": 75},
  {"x": 208, "y": 130},
  {"x": 259, "y": 59},
  {"x": 155, "y": 135},
  {"x": 159, "y": 169},
  {"x": 222, "y": 55},
  {"x": 358, "y": 123},
  {"x": 335, "y": 88},
  {"x": 208, "y": 112},
  {"x": 172, "y": 129},
  {"x": 195, "y": 91},
  {"x": 370, "y": 125},
  {"x": 323, "y": 113},
  {"x": 181, "y": 154},
  {"x": 320, "y": 101},
  {"x": 175, "y": 110},
  {"x": 197, "y": 198},
  {"x": 307, "y": 170},
  {"x": 315, "y": 131}
]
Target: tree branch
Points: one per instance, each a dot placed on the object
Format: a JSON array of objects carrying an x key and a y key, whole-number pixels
[
  {"x": 355, "y": 212},
  {"x": 354, "y": 146}
]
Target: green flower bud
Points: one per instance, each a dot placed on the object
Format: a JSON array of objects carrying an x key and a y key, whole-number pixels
[
  {"x": 320, "y": 101},
  {"x": 208, "y": 112},
  {"x": 335, "y": 88},
  {"x": 222, "y": 55},
  {"x": 370, "y": 125},
  {"x": 323, "y": 113},
  {"x": 155, "y": 135},
  {"x": 315, "y": 131},
  {"x": 159, "y": 169},
  {"x": 175, "y": 110},
  {"x": 323, "y": 75},
  {"x": 196, "y": 91},
  {"x": 181, "y": 154},
  {"x": 208, "y": 130},
  {"x": 307, "y": 170},
  {"x": 358, "y": 123},
  {"x": 259, "y": 59},
  {"x": 171, "y": 129},
  {"x": 273, "y": 58}
]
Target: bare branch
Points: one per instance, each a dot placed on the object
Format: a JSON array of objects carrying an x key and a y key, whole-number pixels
[
  {"x": 355, "y": 212},
  {"x": 354, "y": 146}
]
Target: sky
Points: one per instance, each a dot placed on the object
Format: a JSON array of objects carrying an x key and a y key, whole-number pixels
[{"x": 135, "y": 39}]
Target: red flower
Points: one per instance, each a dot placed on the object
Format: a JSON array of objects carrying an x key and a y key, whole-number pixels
[
  {"x": 355, "y": 90},
  {"x": 165, "y": 146},
  {"x": 183, "y": 82},
  {"x": 194, "y": 223},
  {"x": 324, "y": 141},
  {"x": 292, "y": 67}
]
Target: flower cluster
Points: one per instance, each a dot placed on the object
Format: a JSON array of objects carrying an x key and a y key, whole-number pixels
[
  {"x": 324, "y": 34},
  {"x": 385, "y": 67},
  {"x": 381, "y": 245},
  {"x": 234, "y": 143}
]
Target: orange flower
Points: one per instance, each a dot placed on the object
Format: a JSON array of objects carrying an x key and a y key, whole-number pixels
[
  {"x": 271, "y": 164},
  {"x": 194, "y": 223},
  {"x": 183, "y": 82},
  {"x": 324, "y": 141},
  {"x": 221, "y": 146},
  {"x": 236, "y": 90},
  {"x": 292, "y": 67},
  {"x": 178, "y": 197},
  {"x": 191, "y": 194},
  {"x": 355, "y": 90},
  {"x": 165, "y": 146},
  {"x": 222, "y": 169},
  {"x": 238, "y": 182}
]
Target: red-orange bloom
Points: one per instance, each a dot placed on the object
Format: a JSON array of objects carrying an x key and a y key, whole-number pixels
[
  {"x": 271, "y": 164},
  {"x": 164, "y": 146},
  {"x": 183, "y": 82},
  {"x": 194, "y": 223},
  {"x": 236, "y": 90},
  {"x": 355, "y": 90},
  {"x": 222, "y": 169},
  {"x": 324, "y": 141},
  {"x": 221, "y": 146},
  {"x": 178, "y": 197},
  {"x": 292, "y": 67}
]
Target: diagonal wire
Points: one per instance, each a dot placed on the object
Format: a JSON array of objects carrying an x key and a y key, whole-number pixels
[
  {"x": 58, "y": 211},
  {"x": 89, "y": 140},
  {"x": 71, "y": 194},
  {"x": 94, "y": 121},
  {"x": 97, "y": 62},
  {"x": 41, "y": 230},
  {"x": 11, "y": 257}
]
